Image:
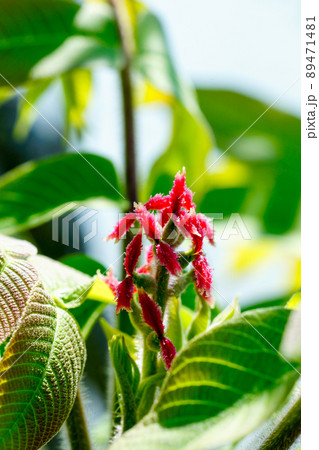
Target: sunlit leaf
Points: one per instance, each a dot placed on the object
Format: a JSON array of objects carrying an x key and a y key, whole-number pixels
[{"x": 230, "y": 372}]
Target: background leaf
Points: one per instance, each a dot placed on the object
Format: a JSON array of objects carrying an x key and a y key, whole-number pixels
[
  {"x": 63, "y": 179},
  {"x": 30, "y": 30},
  {"x": 260, "y": 173}
]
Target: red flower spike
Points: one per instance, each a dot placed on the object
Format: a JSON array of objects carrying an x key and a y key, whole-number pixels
[
  {"x": 158, "y": 202},
  {"x": 178, "y": 191},
  {"x": 133, "y": 252},
  {"x": 122, "y": 227},
  {"x": 148, "y": 222},
  {"x": 168, "y": 352},
  {"x": 168, "y": 258},
  {"x": 124, "y": 294},
  {"x": 203, "y": 276},
  {"x": 110, "y": 280},
  {"x": 206, "y": 227},
  {"x": 151, "y": 313}
]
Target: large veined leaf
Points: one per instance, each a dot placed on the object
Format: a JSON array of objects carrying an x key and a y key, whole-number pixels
[
  {"x": 221, "y": 386},
  {"x": 39, "y": 191},
  {"x": 42, "y": 357}
]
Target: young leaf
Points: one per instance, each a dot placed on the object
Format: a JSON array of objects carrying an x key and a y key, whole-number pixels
[
  {"x": 229, "y": 373},
  {"x": 201, "y": 319}
]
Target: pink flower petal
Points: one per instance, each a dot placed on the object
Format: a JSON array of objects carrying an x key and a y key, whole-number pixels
[{"x": 168, "y": 258}]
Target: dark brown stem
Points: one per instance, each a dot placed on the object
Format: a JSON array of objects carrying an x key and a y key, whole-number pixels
[{"x": 127, "y": 43}]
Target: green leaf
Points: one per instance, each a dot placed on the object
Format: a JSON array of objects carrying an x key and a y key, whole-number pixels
[
  {"x": 17, "y": 280},
  {"x": 90, "y": 311},
  {"x": 128, "y": 378},
  {"x": 229, "y": 373},
  {"x": 232, "y": 310},
  {"x": 110, "y": 332},
  {"x": 39, "y": 191},
  {"x": 66, "y": 285},
  {"x": 190, "y": 144},
  {"x": 152, "y": 59},
  {"x": 43, "y": 355},
  {"x": 40, "y": 373},
  {"x": 260, "y": 173},
  {"x": 174, "y": 330},
  {"x": 201, "y": 319},
  {"x": 30, "y": 30},
  {"x": 26, "y": 114}
]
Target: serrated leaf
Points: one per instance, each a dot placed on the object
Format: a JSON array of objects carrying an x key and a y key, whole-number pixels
[
  {"x": 229, "y": 373},
  {"x": 17, "y": 280},
  {"x": 39, "y": 191}
]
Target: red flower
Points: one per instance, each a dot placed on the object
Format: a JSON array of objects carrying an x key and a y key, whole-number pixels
[
  {"x": 133, "y": 252},
  {"x": 148, "y": 222},
  {"x": 189, "y": 225},
  {"x": 122, "y": 227},
  {"x": 124, "y": 294},
  {"x": 203, "y": 276},
  {"x": 168, "y": 258},
  {"x": 158, "y": 202},
  {"x": 153, "y": 317}
]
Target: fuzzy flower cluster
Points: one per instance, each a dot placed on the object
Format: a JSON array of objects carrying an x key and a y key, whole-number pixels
[{"x": 166, "y": 220}]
